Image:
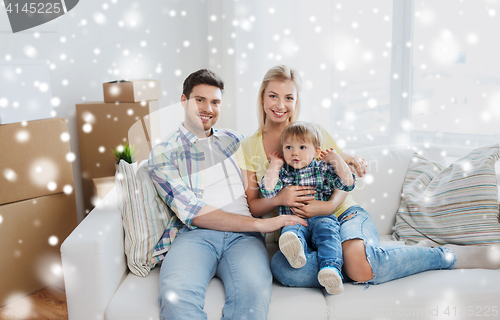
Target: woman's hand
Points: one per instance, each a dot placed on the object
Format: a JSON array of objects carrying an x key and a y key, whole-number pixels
[
  {"x": 358, "y": 162},
  {"x": 294, "y": 196},
  {"x": 313, "y": 208}
]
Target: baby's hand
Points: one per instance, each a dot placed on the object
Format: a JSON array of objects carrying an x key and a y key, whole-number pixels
[
  {"x": 329, "y": 156},
  {"x": 275, "y": 157}
]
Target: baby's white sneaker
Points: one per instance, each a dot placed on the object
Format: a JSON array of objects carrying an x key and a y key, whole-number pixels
[
  {"x": 292, "y": 249},
  {"x": 331, "y": 279}
]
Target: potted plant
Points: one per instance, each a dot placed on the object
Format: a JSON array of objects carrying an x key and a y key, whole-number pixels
[{"x": 125, "y": 152}]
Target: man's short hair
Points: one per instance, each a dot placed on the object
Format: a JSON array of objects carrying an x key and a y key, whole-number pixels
[
  {"x": 202, "y": 76},
  {"x": 304, "y": 131}
]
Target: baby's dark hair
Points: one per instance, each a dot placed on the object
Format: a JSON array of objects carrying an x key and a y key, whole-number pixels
[{"x": 305, "y": 131}]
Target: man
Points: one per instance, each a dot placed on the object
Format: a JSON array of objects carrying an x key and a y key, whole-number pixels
[{"x": 196, "y": 172}]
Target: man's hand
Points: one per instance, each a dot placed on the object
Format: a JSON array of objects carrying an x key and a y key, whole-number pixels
[
  {"x": 273, "y": 224},
  {"x": 293, "y": 196}
]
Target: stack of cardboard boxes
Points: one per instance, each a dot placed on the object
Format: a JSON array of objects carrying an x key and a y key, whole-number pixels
[
  {"x": 37, "y": 204},
  {"x": 129, "y": 113}
]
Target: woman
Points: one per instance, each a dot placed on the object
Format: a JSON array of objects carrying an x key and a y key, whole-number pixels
[{"x": 365, "y": 260}]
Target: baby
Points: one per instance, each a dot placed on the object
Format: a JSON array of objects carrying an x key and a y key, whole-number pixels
[{"x": 301, "y": 143}]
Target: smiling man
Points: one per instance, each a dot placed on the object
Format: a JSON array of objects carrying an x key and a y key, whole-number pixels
[{"x": 212, "y": 233}]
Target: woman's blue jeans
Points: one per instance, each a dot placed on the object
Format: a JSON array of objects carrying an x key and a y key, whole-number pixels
[
  {"x": 322, "y": 235},
  {"x": 388, "y": 262},
  {"x": 240, "y": 260}
]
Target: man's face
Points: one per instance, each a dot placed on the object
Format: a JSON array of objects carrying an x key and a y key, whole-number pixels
[{"x": 202, "y": 109}]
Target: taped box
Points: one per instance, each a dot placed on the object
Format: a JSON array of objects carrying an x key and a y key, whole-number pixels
[
  {"x": 104, "y": 126},
  {"x": 31, "y": 234},
  {"x": 131, "y": 90},
  {"x": 35, "y": 159}
]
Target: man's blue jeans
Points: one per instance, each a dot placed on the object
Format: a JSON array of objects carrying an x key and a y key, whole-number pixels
[
  {"x": 322, "y": 235},
  {"x": 388, "y": 262},
  {"x": 240, "y": 260}
]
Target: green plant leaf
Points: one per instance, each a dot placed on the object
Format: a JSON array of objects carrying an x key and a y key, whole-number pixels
[{"x": 124, "y": 152}]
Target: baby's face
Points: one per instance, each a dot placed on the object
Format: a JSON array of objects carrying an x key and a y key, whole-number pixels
[{"x": 298, "y": 153}]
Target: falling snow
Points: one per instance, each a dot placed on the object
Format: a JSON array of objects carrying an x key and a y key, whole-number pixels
[{"x": 346, "y": 65}]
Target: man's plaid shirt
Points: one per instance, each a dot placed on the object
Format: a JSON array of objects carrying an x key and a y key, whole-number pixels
[
  {"x": 177, "y": 168},
  {"x": 318, "y": 174}
]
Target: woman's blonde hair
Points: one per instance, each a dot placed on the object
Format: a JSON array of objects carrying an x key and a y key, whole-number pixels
[{"x": 278, "y": 73}]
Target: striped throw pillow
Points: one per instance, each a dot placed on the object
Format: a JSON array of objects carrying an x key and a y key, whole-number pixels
[
  {"x": 144, "y": 216},
  {"x": 457, "y": 204}
]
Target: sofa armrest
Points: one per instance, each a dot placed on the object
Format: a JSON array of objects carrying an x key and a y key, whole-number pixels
[{"x": 93, "y": 261}]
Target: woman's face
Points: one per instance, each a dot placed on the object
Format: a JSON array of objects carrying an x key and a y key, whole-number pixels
[{"x": 279, "y": 100}]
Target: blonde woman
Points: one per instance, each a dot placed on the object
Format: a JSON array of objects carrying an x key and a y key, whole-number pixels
[{"x": 365, "y": 260}]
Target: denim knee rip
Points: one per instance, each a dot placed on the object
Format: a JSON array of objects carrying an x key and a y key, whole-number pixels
[
  {"x": 342, "y": 219},
  {"x": 368, "y": 257}
]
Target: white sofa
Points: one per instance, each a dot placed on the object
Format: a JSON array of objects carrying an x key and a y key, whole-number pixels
[{"x": 99, "y": 285}]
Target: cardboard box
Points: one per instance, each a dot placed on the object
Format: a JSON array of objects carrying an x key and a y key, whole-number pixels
[
  {"x": 131, "y": 90},
  {"x": 104, "y": 126},
  {"x": 25, "y": 91},
  {"x": 102, "y": 186},
  {"x": 31, "y": 233},
  {"x": 89, "y": 199},
  {"x": 94, "y": 190},
  {"x": 33, "y": 159}
]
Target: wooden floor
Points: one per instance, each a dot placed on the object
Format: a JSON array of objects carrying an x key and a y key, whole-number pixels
[{"x": 46, "y": 304}]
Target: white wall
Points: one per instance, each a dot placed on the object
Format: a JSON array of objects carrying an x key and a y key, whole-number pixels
[
  {"x": 262, "y": 34},
  {"x": 169, "y": 39},
  {"x": 150, "y": 44}
]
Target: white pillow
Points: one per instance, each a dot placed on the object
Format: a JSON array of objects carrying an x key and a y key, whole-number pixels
[
  {"x": 144, "y": 216},
  {"x": 379, "y": 191},
  {"x": 457, "y": 204}
]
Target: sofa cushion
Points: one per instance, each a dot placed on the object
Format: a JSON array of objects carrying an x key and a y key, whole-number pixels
[
  {"x": 379, "y": 191},
  {"x": 144, "y": 216},
  {"x": 137, "y": 299},
  {"x": 457, "y": 204},
  {"x": 440, "y": 294},
  {"x": 297, "y": 303}
]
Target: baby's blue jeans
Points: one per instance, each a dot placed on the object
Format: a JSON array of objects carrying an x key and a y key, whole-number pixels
[{"x": 321, "y": 235}]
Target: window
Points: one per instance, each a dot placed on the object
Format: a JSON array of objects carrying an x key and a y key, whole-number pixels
[
  {"x": 362, "y": 59},
  {"x": 372, "y": 106},
  {"x": 456, "y": 73},
  {"x": 374, "y": 71}
]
